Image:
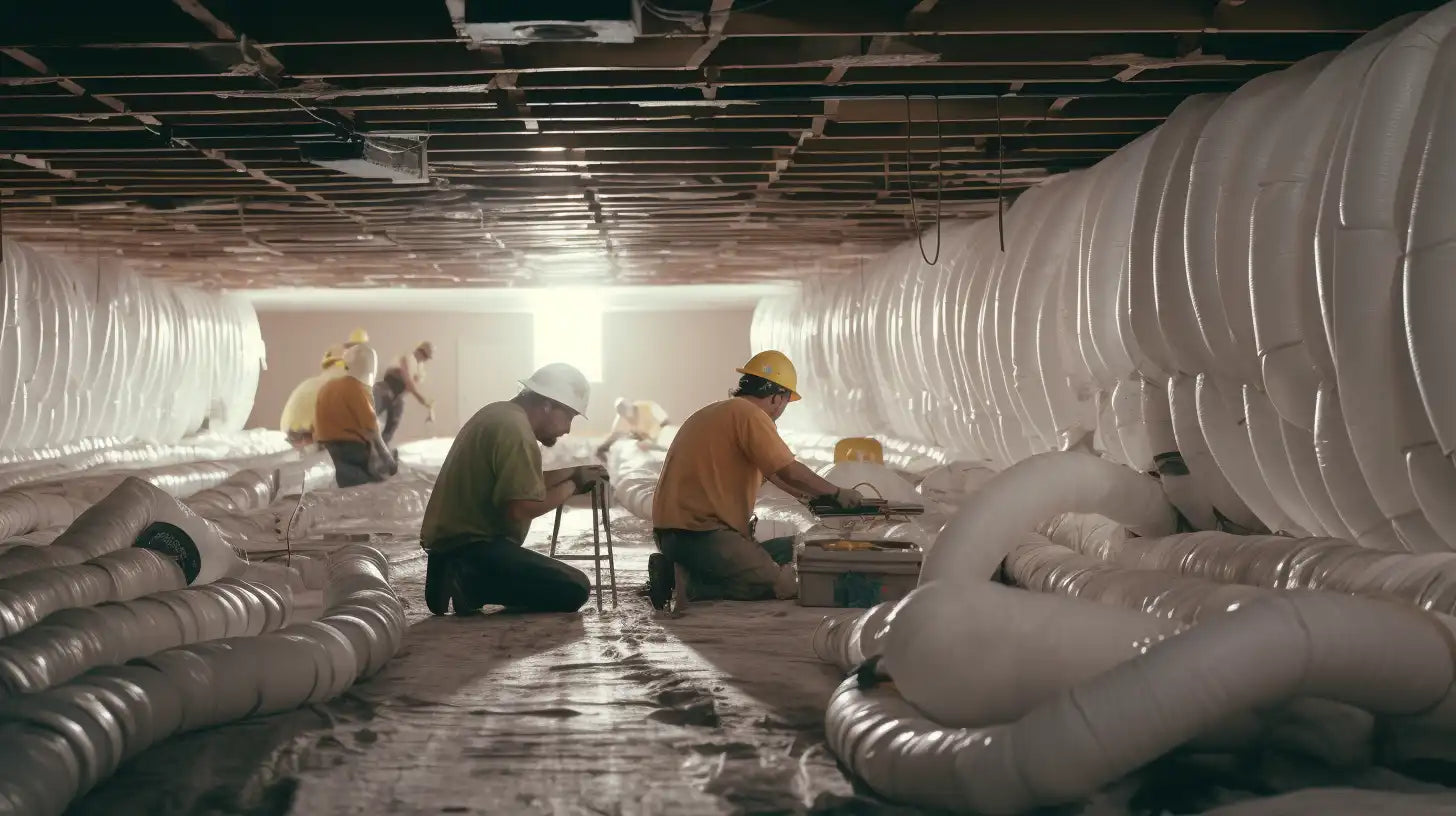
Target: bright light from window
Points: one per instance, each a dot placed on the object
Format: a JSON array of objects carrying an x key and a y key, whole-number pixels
[{"x": 568, "y": 329}]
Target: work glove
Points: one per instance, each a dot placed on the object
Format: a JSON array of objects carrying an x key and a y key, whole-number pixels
[
  {"x": 847, "y": 498},
  {"x": 430, "y": 413},
  {"x": 587, "y": 476}
]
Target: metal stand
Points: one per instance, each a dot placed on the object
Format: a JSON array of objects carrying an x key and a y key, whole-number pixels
[{"x": 601, "y": 525}]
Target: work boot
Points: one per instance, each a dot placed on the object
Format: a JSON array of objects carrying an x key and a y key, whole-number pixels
[
  {"x": 679, "y": 588},
  {"x": 442, "y": 584},
  {"x": 660, "y": 579}
]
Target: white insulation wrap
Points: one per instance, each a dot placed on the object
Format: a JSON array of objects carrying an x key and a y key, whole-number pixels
[
  {"x": 1018, "y": 747},
  {"x": 62, "y": 741},
  {"x": 1253, "y": 300},
  {"x": 92, "y": 351}
]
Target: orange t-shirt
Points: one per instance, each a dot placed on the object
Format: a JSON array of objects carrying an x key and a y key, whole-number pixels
[
  {"x": 715, "y": 467},
  {"x": 344, "y": 412}
]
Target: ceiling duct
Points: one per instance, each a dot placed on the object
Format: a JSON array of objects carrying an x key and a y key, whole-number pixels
[
  {"x": 400, "y": 159},
  {"x": 518, "y": 22}
]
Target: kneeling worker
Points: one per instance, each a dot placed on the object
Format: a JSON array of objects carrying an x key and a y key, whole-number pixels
[
  {"x": 708, "y": 486},
  {"x": 642, "y": 420},
  {"x": 345, "y": 425},
  {"x": 488, "y": 491}
]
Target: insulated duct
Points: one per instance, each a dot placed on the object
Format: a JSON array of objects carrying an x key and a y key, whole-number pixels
[
  {"x": 1247, "y": 301},
  {"x": 92, "y": 351}
]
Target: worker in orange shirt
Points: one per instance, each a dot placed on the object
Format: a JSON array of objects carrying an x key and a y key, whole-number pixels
[
  {"x": 710, "y": 480},
  {"x": 345, "y": 425}
]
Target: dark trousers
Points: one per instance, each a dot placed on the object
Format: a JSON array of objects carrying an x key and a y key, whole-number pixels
[
  {"x": 501, "y": 572},
  {"x": 351, "y": 463},
  {"x": 727, "y": 565},
  {"x": 388, "y": 407}
]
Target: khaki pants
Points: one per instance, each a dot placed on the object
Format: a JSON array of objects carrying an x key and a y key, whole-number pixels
[{"x": 727, "y": 565}]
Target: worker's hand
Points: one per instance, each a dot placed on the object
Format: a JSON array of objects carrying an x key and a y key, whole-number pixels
[
  {"x": 429, "y": 412},
  {"x": 847, "y": 498},
  {"x": 587, "y": 476}
]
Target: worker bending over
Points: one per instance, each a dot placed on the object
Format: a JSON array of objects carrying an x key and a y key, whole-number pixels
[
  {"x": 642, "y": 420},
  {"x": 297, "y": 419},
  {"x": 488, "y": 491},
  {"x": 708, "y": 486},
  {"x": 345, "y": 425},
  {"x": 403, "y": 378}
]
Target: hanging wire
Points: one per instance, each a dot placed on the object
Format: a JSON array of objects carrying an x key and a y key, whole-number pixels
[
  {"x": 939, "y": 183},
  {"x": 1000, "y": 179}
]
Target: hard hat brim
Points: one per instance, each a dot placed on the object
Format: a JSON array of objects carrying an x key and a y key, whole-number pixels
[{"x": 793, "y": 395}]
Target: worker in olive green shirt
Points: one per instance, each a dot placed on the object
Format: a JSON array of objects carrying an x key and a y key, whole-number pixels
[{"x": 488, "y": 491}]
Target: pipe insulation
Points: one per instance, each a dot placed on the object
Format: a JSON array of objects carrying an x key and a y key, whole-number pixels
[
  {"x": 92, "y": 351},
  {"x": 66, "y": 739},
  {"x": 1014, "y": 749},
  {"x": 1247, "y": 300}
]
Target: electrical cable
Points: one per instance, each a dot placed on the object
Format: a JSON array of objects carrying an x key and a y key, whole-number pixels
[
  {"x": 1000, "y": 179},
  {"x": 939, "y": 183}
]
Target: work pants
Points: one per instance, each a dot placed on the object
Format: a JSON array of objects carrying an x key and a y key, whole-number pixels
[
  {"x": 498, "y": 571},
  {"x": 389, "y": 408},
  {"x": 727, "y": 565},
  {"x": 351, "y": 463}
]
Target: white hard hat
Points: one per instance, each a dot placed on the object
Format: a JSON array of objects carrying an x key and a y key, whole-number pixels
[
  {"x": 562, "y": 383},
  {"x": 362, "y": 362}
]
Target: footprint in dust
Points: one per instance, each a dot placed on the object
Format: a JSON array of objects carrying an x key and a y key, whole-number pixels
[
  {"x": 732, "y": 750},
  {"x": 686, "y": 707},
  {"x": 554, "y": 713}
]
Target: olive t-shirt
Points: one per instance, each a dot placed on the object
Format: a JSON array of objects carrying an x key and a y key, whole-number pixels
[
  {"x": 494, "y": 460},
  {"x": 715, "y": 466}
]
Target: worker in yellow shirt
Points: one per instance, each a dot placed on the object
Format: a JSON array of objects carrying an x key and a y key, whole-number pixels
[
  {"x": 345, "y": 425},
  {"x": 642, "y": 420},
  {"x": 710, "y": 480},
  {"x": 298, "y": 410}
]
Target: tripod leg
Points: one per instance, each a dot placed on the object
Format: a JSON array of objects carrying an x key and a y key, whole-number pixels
[
  {"x": 607, "y": 529},
  {"x": 597, "y": 544},
  {"x": 556, "y": 530}
]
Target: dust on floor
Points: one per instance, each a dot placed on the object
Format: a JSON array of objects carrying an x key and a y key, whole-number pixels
[{"x": 624, "y": 712}]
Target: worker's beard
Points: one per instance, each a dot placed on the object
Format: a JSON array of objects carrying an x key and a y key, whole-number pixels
[{"x": 547, "y": 441}]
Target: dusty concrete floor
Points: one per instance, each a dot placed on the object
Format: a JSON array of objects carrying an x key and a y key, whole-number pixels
[
  {"x": 622, "y": 713},
  {"x": 719, "y": 711}
]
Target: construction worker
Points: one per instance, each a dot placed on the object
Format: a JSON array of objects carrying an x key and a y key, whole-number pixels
[
  {"x": 297, "y": 418},
  {"x": 709, "y": 483},
  {"x": 345, "y": 425},
  {"x": 488, "y": 491},
  {"x": 356, "y": 337},
  {"x": 642, "y": 420},
  {"x": 403, "y": 378}
]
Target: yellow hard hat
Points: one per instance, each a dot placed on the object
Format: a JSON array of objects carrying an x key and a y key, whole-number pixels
[
  {"x": 776, "y": 368},
  {"x": 359, "y": 336},
  {"x": 331, "y": 358},
  {"x": 859, "y": 449}
]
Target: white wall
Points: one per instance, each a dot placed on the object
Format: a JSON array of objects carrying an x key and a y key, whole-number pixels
[{"x": 682, "y": 359}]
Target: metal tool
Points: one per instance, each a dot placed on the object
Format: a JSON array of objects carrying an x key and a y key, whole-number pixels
[
  {"x": 824, "y": 507},
  {"x": 601, "y": 525}
]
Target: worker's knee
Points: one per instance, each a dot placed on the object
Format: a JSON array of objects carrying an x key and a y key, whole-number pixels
[{"x": 571, "y": 593}]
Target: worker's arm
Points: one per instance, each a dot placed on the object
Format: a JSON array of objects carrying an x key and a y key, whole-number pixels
[
  {"x": 607, "y": 445},
  {"x": 411, "y": 380},
  {"x": 774, "y": 480},
  {"x": 800, "y": 482},
  {"x": 524, "y": 510}
]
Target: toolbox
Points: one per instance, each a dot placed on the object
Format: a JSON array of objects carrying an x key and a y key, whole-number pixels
[{"x": 855, "y": 573}]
